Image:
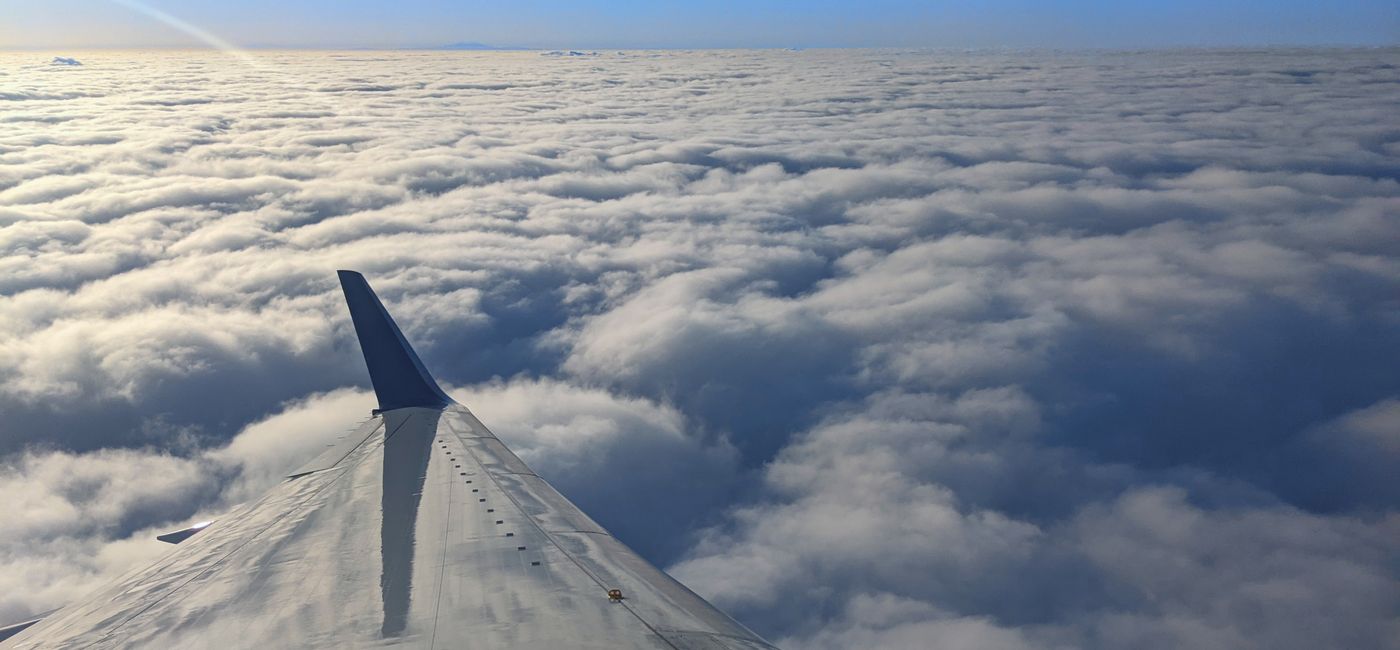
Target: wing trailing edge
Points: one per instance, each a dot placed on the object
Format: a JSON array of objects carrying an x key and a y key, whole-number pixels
[{"x": 400, "y": 380}]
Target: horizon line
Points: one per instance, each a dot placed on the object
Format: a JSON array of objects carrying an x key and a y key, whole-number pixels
[{"x": 656, "y": 48}]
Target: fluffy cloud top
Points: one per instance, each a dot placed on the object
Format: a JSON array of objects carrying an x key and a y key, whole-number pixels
[{"x": 873, "y": 348}]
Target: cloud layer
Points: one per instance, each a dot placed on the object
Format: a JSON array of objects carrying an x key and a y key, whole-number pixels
[{"x": 873, "y": 348}]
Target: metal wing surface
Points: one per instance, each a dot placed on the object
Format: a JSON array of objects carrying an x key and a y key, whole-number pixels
[{"x": 420, "y": 529}]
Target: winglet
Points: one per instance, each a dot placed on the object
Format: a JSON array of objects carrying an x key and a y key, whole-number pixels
[{"x": 399, "y": 378}]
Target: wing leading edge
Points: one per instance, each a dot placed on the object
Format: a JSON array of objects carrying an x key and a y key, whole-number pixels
[{"x": 418, "y": 529}]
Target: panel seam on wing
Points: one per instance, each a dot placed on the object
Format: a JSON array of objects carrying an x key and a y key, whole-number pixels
[{"x": 491, "y": 476}]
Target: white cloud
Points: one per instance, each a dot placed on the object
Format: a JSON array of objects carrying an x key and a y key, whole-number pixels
[
  {"x": 76, "y": 520},
  {"x": 1007, "y": 350}
]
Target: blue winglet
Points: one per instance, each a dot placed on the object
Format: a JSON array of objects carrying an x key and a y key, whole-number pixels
[{"x": 399, "y": 378}]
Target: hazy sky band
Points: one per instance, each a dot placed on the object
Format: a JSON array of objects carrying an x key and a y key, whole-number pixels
[{"x": 630, "y": 24}]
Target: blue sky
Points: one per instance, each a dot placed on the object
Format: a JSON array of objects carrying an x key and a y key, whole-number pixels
[{"x": 716, "y": 23}]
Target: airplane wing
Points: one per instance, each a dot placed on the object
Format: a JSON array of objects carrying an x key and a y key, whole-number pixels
[{"x": 419, "y": 529}]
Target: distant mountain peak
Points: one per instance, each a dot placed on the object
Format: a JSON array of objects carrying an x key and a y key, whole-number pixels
[{"x": 471, "y": 45}]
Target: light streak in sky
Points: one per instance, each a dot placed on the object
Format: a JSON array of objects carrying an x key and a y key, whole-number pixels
[{"x": 193, "y": 30}]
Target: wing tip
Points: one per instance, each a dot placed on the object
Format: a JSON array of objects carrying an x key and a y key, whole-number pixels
[{"x": 400, "y": 379}]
